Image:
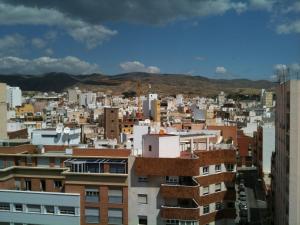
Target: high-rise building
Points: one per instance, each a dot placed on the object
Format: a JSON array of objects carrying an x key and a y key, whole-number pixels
[
  {"x": 13, "y": 96},
  {"x": 155, "y": 110},
  {"x": 73, "y": 95},
  {"x": 286, "y": 170},
  {"x": 3, "y": 111},
  {"x": 111, "y": 123},
  {"x": 147, "y": 105},
  {"x": 267, "y": 98}
]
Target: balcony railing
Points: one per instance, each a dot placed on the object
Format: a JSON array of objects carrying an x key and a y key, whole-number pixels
[{"x": 180, "y": 213}]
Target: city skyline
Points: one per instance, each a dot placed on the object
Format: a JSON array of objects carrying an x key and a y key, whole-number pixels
[{"x": 217, "y": 39}]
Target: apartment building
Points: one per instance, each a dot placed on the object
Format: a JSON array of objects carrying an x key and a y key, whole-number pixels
[
  {"x": 286, "y": 176},
  {"x": 55, "y": 185},
  {"x": 169, "y": 186},
  {"x": 111, "y": 123}
]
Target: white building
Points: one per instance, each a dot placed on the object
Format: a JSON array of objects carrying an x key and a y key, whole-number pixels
[
  {"x": 13, "y": 96},
  {"x": 147, "y": 105}
]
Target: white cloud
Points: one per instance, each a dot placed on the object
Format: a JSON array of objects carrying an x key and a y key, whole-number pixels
[
  {"x": 280, "y": 67},
  {"x": 69, "y": 64},
  {"x": 136, "y": 66},
  {"x": 11, "y": 44},
  {"x": 287, "y": 28},
  {"x": 220, "y": 70},
  {"x": 293, "y": 8},
  {"x": 38, "y": 43},
  {"x": 262, "y": 4},
  {"x": 89, "y": 34}
]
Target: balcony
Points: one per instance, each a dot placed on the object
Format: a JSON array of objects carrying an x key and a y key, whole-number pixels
[
  {"x": 185, "y": 188},
  {"x": 184, "y": 210}
]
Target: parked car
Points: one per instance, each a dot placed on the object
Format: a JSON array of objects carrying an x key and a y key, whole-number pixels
[
  {"x": 243, "y": 198},
  {"x": 243, "y": 206},
  {"x": 242, "y": 194}
]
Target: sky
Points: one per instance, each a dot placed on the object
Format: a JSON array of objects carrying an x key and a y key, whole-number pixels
[{"x": 214, "y": 38}]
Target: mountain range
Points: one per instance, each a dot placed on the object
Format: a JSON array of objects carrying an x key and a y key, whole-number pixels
[{"x": 163, "y": 84}]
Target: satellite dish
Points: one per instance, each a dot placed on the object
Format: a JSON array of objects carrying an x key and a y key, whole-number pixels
[{"x": 67, "y": 130}]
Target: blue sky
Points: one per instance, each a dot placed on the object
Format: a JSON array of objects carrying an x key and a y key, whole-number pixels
[{"x": 213, "y": 38}]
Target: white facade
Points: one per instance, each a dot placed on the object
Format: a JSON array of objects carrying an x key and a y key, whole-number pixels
[
  {"x": 161, "y": 146},
  {"x": 147, "y": 105},
  {"x": 14, "y": 96}
]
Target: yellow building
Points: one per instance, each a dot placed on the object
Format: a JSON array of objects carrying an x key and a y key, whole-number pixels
[
  {"x": 25, "y": 111},
  {"x": 155, "y": 110}
]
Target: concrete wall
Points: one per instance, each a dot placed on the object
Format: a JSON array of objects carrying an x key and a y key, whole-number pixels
[
  {"x": 3, "y": 111},
  {"x": 43, "y": 199}
]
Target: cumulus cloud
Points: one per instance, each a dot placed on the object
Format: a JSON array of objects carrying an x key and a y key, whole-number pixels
[
  {"x": 200, "y": 58},
  {"x": 11, "y": 44},
  {"x": 136, "y": 66},
  {"x": 287, "y": 28},
  {"x": 280, "y": 67},
  {"x": 220, "y": 70},
  {"x": 69, "y": 64},
  {"x": 49, "y": 51},
  {"x": 90, "y": 34},
  {"x": 150, "y": 12}
]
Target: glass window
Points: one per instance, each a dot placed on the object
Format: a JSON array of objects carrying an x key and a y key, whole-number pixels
[
  {"x": 4, "y": 206},
  {"x": 57, "y": 184},
  {"x": 218, "y": 168},
  {"x": 49, "y": 209},
  {"x": 205, "y": 209},
  {"x": 172, "y": 179},
  {"x": 206, "y": 190},
  {"x": 143, "y": 179},
  {"x": 115, "y": 216},
  {"x": 143, "y": 220},
  {"x": 92, "y": 194},
  {"x": 218, "y": 187},
  {"x": 142, "y": 199},
  {"x": 92, "y": 215},
  {"x": 66, "y": 210},
  {"x": 18, "y": 207},
  {"x": 115, "y": 196},
  {"x": 229, "y": 167},
  {"x": 218, "y": 206},
  {"x": 205, "y": 170},
  {"x": 33, "y": 208}
]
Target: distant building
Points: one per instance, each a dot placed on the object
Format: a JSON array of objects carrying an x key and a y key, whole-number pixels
[
  {"x": 3, "y": 111},
  {"x": 221, "y": 98},
  {"x": 111, "y": 123},
  {"x": 73, "y": 95},
  {"x": 267, "y": 98},
  {"x": 58, "y": 136},
  {"x": 13, "y": 97},
  {"x": 147, "y": 105},
  {"x": 155, "y": 110}
]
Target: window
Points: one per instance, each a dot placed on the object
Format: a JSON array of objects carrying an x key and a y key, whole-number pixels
[
  {"x": 92, "y": 194},
  {"x": 206, "y": 190},
  {"x": 143, "y": 220},
  {"x": 28, "y": 160},
  {"x": 205, "y": 170},
  {"x": 42, "y": 185},
  {"x": 18, "y": 207},
  {"x": 150, "y": 148},
  {"x": 218, "y": 168},
  {"x": 92, "y": 215},
  {"x": 28, "y": 185},
  {"x": 115, "y": 196},
  {"x": 115, "y": 216},
  {"x": 57, "y": 162},
  {"x": 229, "y": 167},
  {"x": 57, "y": 184},
  {"x": 172, "y": 180},
  {"x": 172, "y": 222},
  {"x": 205, "y": 209},
  {"x": 49, "y": 209},
  {"x": 66, "y": 210},
  {"x": 33, "y": 208},
  {"x": 218, "y": 187},
  {"x": 143, "y": 179},
  {"x": 142, "y": 199},
  {"x": 4, "y": 206},
  {"x": 18, "y": 184},
  {"x": 1, "y": 164},
  {"x": 218, "y": 206}
]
